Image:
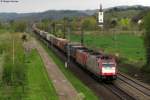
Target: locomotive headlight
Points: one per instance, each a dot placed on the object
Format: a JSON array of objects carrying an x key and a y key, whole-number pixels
[{"x": 114, "y": 69}]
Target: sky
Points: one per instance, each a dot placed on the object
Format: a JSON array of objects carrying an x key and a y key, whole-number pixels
[{"x": 26, "y": 6}]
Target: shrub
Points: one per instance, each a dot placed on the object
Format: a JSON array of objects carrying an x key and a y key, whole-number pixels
[{"x": 147, "y": 42}]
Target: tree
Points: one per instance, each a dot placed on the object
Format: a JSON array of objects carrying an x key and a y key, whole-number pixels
[
  {"x": 114, "y": 22},
  {"x": 24, "y": 37},
  {"x": 44, "y": 26},
  {"x": 147, "y": 41},
  {"x": 89, "y": 23},
  {"x": 125, "y": 23},
  {"x": 19, "y": 26}
]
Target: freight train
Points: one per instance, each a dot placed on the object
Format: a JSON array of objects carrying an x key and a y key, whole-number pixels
[{"x": 99, "y": 64}]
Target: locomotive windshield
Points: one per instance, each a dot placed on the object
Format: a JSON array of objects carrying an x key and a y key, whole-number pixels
[{"x": 108, "y": 65}]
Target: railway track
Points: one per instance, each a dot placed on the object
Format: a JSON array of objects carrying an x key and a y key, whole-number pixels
[
  {"x": 136, "y": 84},
  {"x": 138, "y": 89},
  {"x": 118, "y": 92},
  {"x": 115, "y": 89}
]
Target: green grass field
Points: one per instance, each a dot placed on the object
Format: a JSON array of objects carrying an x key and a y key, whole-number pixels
[
  {"x": 39, "y": 86},
  {"x": 129, "y": 46},
  {"x": 26, "y": 79},
  {"x": 79, "y": 86}
]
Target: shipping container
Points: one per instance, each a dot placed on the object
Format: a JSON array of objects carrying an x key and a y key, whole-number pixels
[
  {"x": 82, "y": 55},
  {"x": 72, "y": 47},
  {"x": 73, "y": 50},
  {"x": 62, "y": 43}
]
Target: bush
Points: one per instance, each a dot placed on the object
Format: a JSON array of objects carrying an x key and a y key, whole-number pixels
[
  {"x": 7, "y": 70},
  {"x": 147, "y": 41},
  {"x": 89, "y": 24},
  {"x": 19, "y": 26},
  {"x": 125, "y": 23},
  {"x": 24, "y": 37},
  {"x": 19, "y": 74}
]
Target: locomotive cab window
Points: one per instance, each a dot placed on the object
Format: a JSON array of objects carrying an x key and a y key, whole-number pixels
[{"x": 108, "y": 65}]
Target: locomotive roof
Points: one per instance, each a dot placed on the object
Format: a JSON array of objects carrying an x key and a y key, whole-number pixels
[
  {"x": 100, "y": 55},
  {"x": 83, "y": 48},
  {"x": 96, "y": 53},
  {"x": 50, "y": 34},
  {"x": 45, "y": 32},
  {"x": 62, "y": 39},
  {"x": 87, "y": 50},
  {"x": 79, "y": 47},
  {"x": 75, "y": 44},
  {"x": 106, "y": 57}
]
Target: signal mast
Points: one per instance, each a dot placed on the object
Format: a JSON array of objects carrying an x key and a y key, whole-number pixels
[{"x": 101, "y": 17}]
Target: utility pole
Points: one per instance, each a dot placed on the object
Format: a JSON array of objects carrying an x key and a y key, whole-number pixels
[
  {"x": 81, "y": 31},
  {"x": 54, "y": 27},
  {"x": 64, "y": 32},
  {"x": 13, "y": 44},
  {"x": 68, "y": 46},
  {"x": 64, "y": 27},
  {"x": 82, "y": 36}
]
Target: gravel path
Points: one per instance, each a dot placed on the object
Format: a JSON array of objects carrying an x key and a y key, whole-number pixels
[{"x": 63, "y": 87}]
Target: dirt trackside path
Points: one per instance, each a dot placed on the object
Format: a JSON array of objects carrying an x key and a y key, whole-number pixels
[{"x": 63, "y": 87}]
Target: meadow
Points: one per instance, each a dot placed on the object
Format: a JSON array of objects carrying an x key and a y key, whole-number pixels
[
  {"x": 39, "y": 86},
  {"x": 23, "y": 78},
  {"x": 129, "y": 46}
]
